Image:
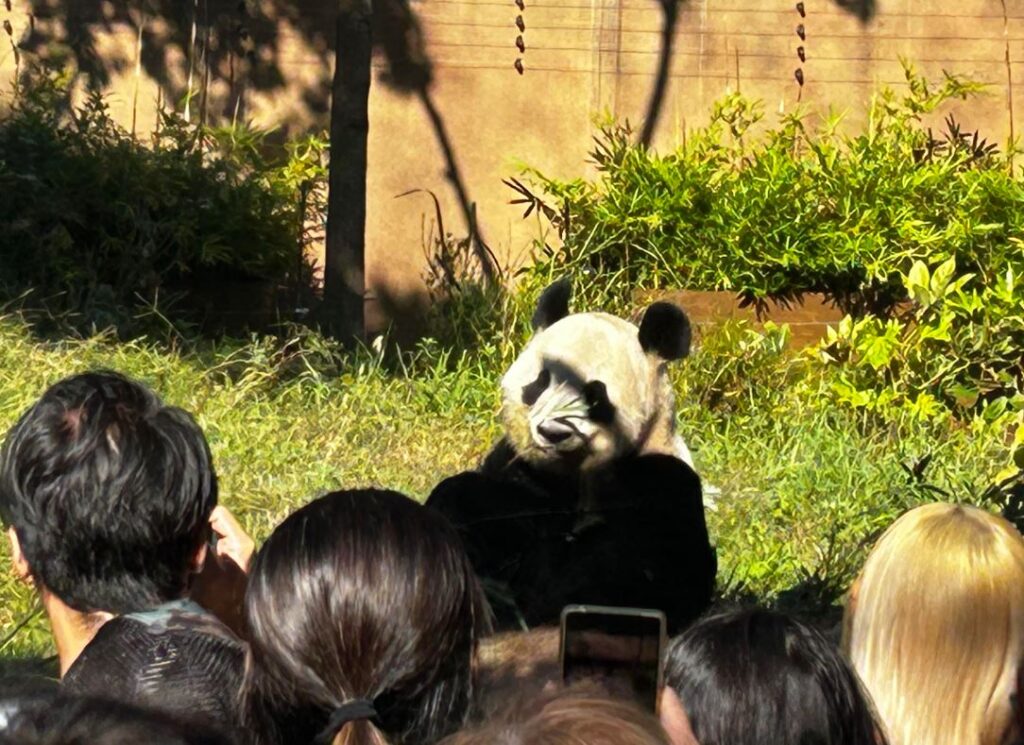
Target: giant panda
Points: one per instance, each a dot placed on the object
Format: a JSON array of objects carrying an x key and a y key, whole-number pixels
[{"x": 589, "y": 496}]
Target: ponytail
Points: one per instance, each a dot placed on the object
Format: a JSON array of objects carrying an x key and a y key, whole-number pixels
[
  {"x": 337, "y": 731},
  {"x": 363, "y": 732},
  {"x": 331, "y": 662}
]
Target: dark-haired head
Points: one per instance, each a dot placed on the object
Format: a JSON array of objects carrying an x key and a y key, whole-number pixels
[
  {"x": 364, "y": 616},
  {"x": 74, "y": 721},
  {"x": 109, "y": 493},
  {"x": 751, "y": 677}
]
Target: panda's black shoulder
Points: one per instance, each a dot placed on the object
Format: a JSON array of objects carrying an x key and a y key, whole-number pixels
[
  {"x": 495, "y": 477},
  {"x": 463, "y": 496},
  {"x": 501, "y": 458},
  {"x": 502, "y": 488},
  {"x": 657, "y": 479},
  {"x": 659, "y": 468}
]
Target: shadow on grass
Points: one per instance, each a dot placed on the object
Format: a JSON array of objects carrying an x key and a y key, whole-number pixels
[{"x": 816, "y": 601}]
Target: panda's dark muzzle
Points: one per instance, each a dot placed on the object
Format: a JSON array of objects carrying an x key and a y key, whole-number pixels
[{"x": 555, "y": 431}]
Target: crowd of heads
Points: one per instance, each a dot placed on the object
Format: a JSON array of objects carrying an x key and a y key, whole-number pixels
[{"x": 361, "y": 620}]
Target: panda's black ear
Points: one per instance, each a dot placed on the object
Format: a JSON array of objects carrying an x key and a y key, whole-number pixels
[
  {"x": 553, "y": 304},
  {"x": 665, "y": 331}
]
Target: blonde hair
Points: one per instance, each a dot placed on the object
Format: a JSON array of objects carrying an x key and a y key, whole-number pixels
[{"x": 935, "y": 626}]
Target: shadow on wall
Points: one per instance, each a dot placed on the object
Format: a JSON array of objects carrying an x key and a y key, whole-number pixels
[
  {"x": 670, "y": 10},
  {"x": 221, "y": 49},
  {"x": 215, "y": 51},
  {"x": 242, "y": 45},
  {"x": 669, "y": 19},
  {"x": 864, "y": 9},
  {"x": 224, "y": 48},
  {"x": 403, "y": 316}
]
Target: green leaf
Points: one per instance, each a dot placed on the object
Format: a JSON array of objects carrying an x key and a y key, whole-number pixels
[
  {"x": 959, "y": 284},
  {"x": 988, "y": 227},
  {"x": 878, "y": 350},
  {"x": 917, "y": 283},
  {"x": 925, "y": 406},
  {"x": 940, "y": 332},
  {"x": 965, "y": 396},
  {"x": 940, "y": 279}
]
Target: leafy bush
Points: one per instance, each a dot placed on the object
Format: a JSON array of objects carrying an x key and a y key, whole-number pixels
[
  {"x": 791, "y": 211},
  {"x": 954, "y": 348},
  {"x": 738, "y": 368},
  {"x": 465, "y": 311},
  {"x": 919, "y": 236},
  {"x": 98, "y": 224},
  {"x": 954, "y": 355}
]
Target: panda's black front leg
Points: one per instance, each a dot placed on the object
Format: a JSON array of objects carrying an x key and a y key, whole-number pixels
[
  {"x": 642, "y": 541},
  {"x": 589, "y": 512},
  {"x": 513, "y": 532}
]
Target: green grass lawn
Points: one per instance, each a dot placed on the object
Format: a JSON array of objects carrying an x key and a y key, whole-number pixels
[{"x": 803, "y": 487}]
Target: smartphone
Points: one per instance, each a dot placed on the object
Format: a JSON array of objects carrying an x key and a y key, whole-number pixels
[{"x": 622, "y": 648}]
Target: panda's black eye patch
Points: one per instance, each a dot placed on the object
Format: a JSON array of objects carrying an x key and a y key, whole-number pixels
[
  {"x": 532, "y": 391},
  {"x": 601, "y": 408}
]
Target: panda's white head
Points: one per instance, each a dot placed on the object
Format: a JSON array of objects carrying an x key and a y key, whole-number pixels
[{"x": 590, "y": 387}]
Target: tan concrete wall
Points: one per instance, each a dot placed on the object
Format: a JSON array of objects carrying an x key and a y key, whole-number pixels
[{"x": 582, "y": 57}]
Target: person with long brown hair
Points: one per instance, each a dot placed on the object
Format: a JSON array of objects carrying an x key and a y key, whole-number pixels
[{"x": 364, "y": 617}]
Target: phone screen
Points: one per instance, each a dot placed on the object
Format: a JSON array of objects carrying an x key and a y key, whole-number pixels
[{"x": 620, "y": 648}]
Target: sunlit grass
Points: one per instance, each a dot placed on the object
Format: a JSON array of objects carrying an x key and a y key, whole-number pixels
[{"x": 803, "y": 487}]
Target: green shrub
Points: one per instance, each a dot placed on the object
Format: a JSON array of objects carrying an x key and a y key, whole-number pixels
[
  {"x": 737, "y": 368},
  {"x": 465, "y": 311},
  {"x": 954, "y": 355},
  {"x": 788, "y": 212},
  {"x": 98, "y": 224},
  {"x": 954, "y": 349}
]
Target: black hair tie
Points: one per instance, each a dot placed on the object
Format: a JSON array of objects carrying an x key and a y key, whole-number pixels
[{"x": 350, "y": 711}]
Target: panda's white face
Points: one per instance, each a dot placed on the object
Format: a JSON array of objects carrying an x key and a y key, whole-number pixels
[{"x": 583, "y": 392}]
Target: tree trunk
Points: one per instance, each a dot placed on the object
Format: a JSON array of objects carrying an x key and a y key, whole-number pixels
[{"x": 344, "y": 266}]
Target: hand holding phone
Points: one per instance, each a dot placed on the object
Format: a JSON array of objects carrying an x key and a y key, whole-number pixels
[{"x": 220, "y": 586}]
